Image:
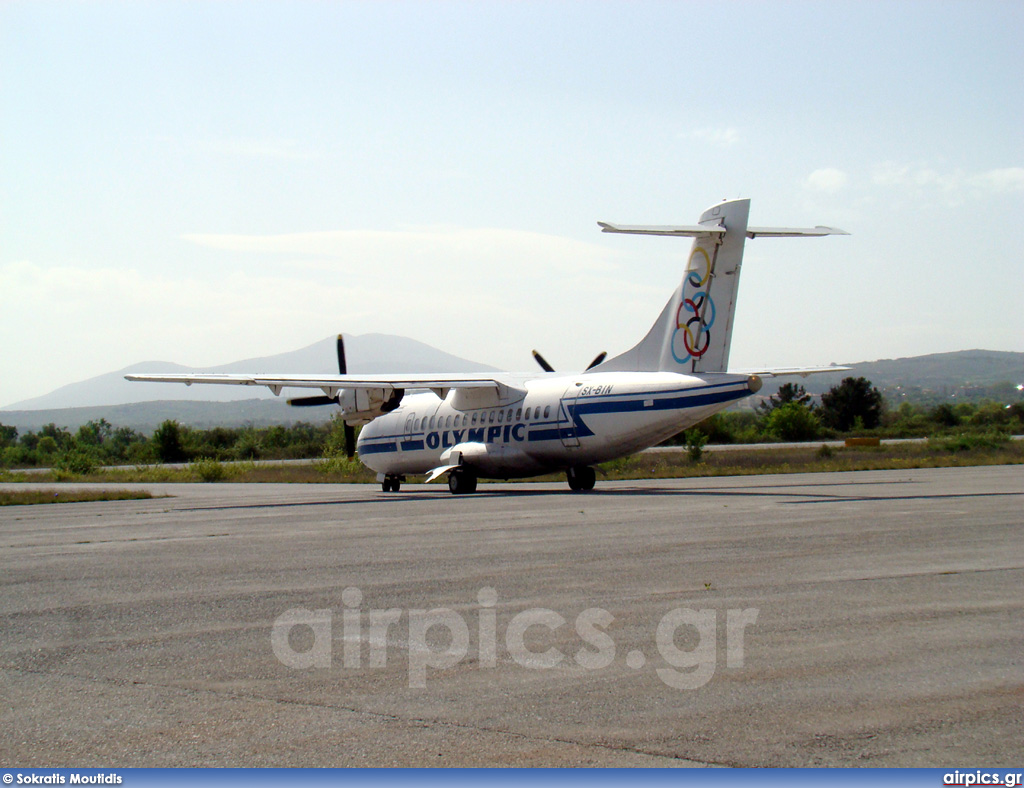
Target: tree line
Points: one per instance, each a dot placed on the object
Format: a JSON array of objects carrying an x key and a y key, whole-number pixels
[
  {"x": 853, "y": 407},
  {"x": 100, "y": 443}
]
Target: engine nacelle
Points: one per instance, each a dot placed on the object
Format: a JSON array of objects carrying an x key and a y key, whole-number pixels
[{"x": 361, "y": 406}]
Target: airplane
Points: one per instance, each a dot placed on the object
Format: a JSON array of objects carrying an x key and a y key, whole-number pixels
[{"x": 506, "y": 426}]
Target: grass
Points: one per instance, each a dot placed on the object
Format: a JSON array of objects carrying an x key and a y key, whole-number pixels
[
  {"x": 809, "y": 458},
  {"x": 813, "y": 459},
  {"x": 28, "y": 497}
]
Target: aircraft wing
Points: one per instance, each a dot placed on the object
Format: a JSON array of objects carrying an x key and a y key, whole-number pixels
[{"x": 332, "y": 384}]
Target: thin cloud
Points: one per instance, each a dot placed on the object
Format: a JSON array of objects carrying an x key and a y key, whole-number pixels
[
  {"x": 259, "y": 148},
  {"x": 828, "y": 180},
  {"x": 441, "y": 248},
  {"x": 1008, "y": 179},
  {"x": 721, "y": 137},
  {"x": 954, "y": 187}
]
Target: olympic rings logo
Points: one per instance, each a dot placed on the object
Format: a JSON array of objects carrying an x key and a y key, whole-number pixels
[{"x": 696, "y": 312}]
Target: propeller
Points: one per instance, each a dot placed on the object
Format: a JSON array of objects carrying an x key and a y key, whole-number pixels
[
  {"x": 548, "y": 368},
  {"x": 543, "y": 362},
  {"x": 307, "y": 402}
]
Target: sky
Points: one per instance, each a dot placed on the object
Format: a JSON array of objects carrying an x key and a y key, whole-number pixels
[{"x": 202, "y": 182}]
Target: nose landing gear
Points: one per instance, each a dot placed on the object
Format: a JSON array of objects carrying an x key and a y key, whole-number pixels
[{"x": 462, "y": 481}]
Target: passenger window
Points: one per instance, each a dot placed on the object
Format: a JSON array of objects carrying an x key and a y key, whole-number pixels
[
  {"x": 447, "y": 422},
  {"x": 547, "y": 411},
  {"x": 474, "y": 419},
  {"x": 527, "y": 414},
  {"x": 501, "y": 416},
  {"x": 519, "y": 414},
  {"x": 431, "y": 422},
  {"x": 510, "y": 414}
]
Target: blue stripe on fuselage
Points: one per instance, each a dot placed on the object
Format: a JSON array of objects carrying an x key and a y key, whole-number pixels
[
  {"x": 577, "y": 409},
  {"x": 557, "y": 430}
]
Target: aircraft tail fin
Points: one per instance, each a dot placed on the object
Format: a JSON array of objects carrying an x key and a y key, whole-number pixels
[{"x": 694, "y": 331}]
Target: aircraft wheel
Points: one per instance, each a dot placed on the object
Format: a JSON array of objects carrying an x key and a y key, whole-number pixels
[
  {"x": 462, "y": 482},
  {"x": 391, "y": 484},
  {"x": 581, "y": 479}
]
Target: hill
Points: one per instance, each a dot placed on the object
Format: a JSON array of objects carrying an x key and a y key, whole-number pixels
[
  {"x": 367, "y": 354},
  {"x": 937, "y": 377}
]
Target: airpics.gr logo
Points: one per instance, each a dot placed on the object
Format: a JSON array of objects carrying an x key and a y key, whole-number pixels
[
  {"x": 686, "y": 640},
  {"x": 978, "y": 777}
]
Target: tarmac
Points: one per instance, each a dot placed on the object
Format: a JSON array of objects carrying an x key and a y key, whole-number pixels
[{"x": 849, "y": 619}]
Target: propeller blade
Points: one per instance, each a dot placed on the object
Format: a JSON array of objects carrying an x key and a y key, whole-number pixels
[
  {"x": 342, "y": 366},
  {"x": 543, "y": 362},
  {"x": 600, "y": 357},
  {"x": 308, "y": 402},
  {"x": 350, "y": 440},
  {"x": 350, "y": 431}
]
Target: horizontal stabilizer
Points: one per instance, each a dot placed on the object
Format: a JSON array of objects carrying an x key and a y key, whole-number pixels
[
  {"x": 793, "y": 232},
  {"x": 782, "y": 372},
  {"x": 695, "y": 230},
  {"x": 681, "y": 231}
]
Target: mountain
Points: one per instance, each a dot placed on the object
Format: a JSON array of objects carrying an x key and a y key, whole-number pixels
[
  {"x": 147, "y": 416},
  {"x": 938, "y": 377},
  {"x": 933, "y": 378},
  {"x": 366, "y": 354}
]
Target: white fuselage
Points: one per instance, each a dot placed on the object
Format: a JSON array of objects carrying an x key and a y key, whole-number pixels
[{"x": 551, "y": 423}]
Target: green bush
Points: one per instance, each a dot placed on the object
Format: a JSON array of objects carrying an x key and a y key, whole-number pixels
[
  {"x": 76, "y": 461},
  {"x": 792, "y": 422},
  {"x": 339, "y": 464},
  {"x": 168, "y": 442},
  {"x": 208, "y": 470},
  {"x": 854, "y": 404},
  {"x": 969, "y": 441},
  {"x": 13, "y": 456},
  {"x": 695, "y": 440},
  {"x": 248, "y": 446}
]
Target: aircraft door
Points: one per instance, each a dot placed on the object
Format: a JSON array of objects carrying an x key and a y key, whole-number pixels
[
  {"x": 566, "y": 424},
  {"x": 410, "y": 424}
]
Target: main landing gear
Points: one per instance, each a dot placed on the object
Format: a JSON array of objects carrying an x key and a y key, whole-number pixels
[
  {"x": 582, "y": 478},
  {"x": 462, "y": 481},
  {"x": 392, "y": 483}
]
